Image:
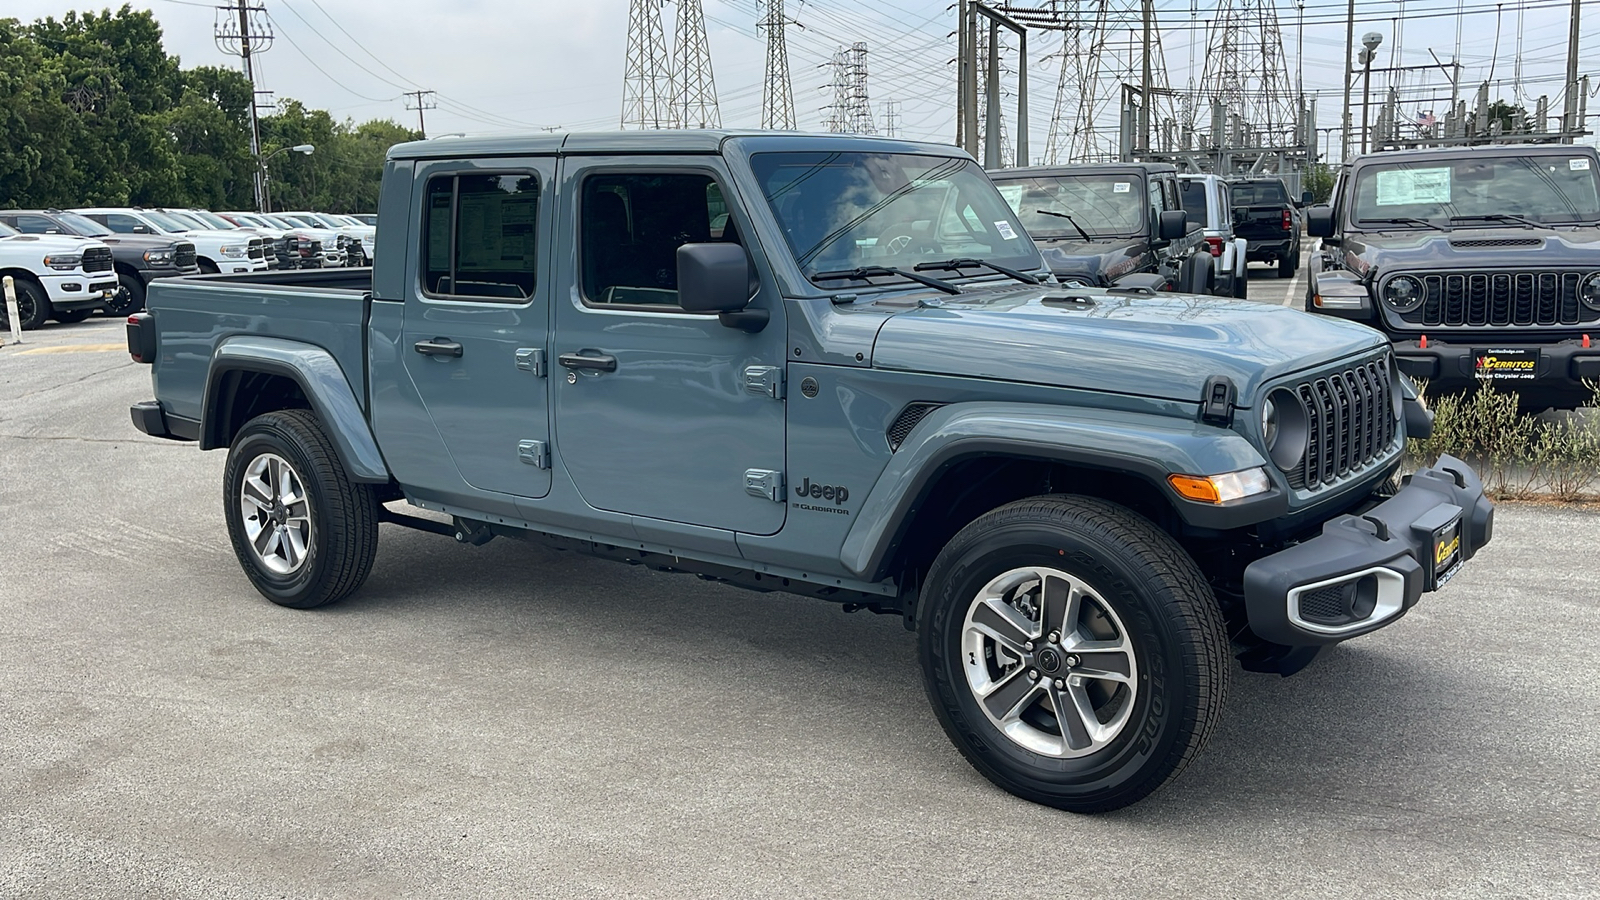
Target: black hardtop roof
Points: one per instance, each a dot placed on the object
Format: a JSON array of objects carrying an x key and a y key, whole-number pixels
[
  {"x": 652, "y": 141},
  {"x": 1119, "y": 168},
  {"x": 1444, "y": 153}
]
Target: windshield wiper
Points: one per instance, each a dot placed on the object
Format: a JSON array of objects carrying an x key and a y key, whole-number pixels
[
  {"x": 1408, "y": 220},
  {"x": 1070, "y": 221},
  {"x": 862, "y": 273},
  {"x": 967, "y": 262},
  {"x": 1499, "y": 217}
]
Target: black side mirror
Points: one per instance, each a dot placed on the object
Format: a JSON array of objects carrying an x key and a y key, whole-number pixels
[
  {"x": 1319, "y": 221},
  {"x": 1174, "y": 222},
  {"x": 715, "y": 278},
  {"x": 1306, "y": 197}
]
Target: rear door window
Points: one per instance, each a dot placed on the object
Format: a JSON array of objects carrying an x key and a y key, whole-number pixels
[{"x": 480, "y": 236}]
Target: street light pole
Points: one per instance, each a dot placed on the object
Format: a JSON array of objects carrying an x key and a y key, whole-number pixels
[
  {"x": 1369, "y": 43},
  {"x": 266, "y": 193}
]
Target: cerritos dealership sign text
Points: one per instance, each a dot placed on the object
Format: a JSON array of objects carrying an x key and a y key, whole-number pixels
[{"x": 1506, "y": 364}]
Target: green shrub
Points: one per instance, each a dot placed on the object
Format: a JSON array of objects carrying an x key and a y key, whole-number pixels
[{"x": 1518, "y": 455}]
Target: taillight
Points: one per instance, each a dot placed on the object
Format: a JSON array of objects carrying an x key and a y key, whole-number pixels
[
  {"x": 142, "y": 338},
  {"x": 1216, "y": 245},
  {"x": 1288, "y": 220}
]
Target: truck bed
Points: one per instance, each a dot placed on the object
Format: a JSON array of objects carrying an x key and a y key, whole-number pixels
[{"x": 197, "y": 314}]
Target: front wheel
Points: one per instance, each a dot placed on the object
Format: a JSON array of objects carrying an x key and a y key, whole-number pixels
[
  {"x": 1072, "y": 651},
  {"x": 129, "y": 297},
  {"x": 33, "y": 306},
  {"x": 304, "y": 533}
]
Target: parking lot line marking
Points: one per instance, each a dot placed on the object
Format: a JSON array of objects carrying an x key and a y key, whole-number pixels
[{"x": 74, "y": 348}]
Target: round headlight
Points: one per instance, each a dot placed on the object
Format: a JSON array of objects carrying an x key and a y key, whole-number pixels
[
  {"x": 1589, "y": 291},
  {"x": 1404, "y": 292},
  {"x": 1285, "y": 428}
]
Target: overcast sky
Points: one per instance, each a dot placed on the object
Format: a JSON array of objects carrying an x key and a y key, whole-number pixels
[{"x": 501, "y": 65}]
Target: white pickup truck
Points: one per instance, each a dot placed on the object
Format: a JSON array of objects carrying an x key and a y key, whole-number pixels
[
  {"x": 57, "y": 276},
  {"x": 216, "y": 251}
]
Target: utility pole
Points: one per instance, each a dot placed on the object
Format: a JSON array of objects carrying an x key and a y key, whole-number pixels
[
  {"x": 777, "y": 88},
  {"x": 422, "y": 104},
  {"x": 1569, "y": 121},
  {"x": 242, "y": 38},
  {"x": 1142, "y": 142},
  {"x": 1349, "y": 73}
]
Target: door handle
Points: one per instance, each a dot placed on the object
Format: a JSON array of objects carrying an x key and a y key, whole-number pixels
[
  {"x": 438, "y": 347},
  {"x": 588, "y": 359}
]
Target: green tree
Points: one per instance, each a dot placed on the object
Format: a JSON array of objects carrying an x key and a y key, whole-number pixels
[{"x": 1318, "y": 179}]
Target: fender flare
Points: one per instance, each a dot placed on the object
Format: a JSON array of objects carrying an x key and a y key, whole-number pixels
[
  {"x": 1146, "y": 446},
  {"x": 322, "y": 381}
]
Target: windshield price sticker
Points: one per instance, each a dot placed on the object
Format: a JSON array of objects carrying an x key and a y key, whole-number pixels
[
  {"x": 1506, "y": 363},
  {"x": 1006, "y": 231},
  {"x": 1120, "y": 187},
  {"x": 1578, "y": 165},
  {"x": 1403, "y": 187}
]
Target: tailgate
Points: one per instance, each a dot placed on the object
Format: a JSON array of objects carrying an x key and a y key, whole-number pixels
[{"x": 1260, "y": 222}]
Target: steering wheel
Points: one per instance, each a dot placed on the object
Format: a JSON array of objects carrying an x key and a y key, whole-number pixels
[{"x": 899, "y": 239}]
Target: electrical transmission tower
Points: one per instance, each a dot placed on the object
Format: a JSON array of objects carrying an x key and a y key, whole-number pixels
[
  {"x": 1246, "y": 78},
  {"x": 243, "y": 30},
  {"x": 1112, "y": 94},
  {"x": 647, "y": 94},
  {"x": 851, "y": 112},
  {"x": 891, "y": 118},
  {"x": 777, "y": 89},
  {"x": 695, "y": 103}
]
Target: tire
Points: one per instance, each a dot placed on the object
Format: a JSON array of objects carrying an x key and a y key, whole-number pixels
[
  {"x": 1241, "y": 282},
  {"x": 1286, "y": 267},
  {"x": 33, "y": 305},
  {"x": 1141, "y": 595},
  {"x": 321, "y": 552},
  {"x": 207, "y": 267},
  {"x": 74, "y": 317},
  {"x": 129, "y": 297}
]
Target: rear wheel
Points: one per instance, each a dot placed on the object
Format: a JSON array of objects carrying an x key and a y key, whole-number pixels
[
  {"x": 304, "y": 533},
  {"x": 1286, "y": 266},
  {"x": 33, "y": 305},
  {"x": 1241, "y": 282},
  {"x": 1072, "y": 651}
]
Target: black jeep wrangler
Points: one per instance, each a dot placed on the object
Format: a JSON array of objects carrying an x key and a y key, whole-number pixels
[
  {"x": 1119, "y": 224},
  {"x": 1481, "y": 264}
]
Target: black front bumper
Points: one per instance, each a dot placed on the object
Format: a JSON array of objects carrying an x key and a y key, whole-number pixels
[
  {"x": 1447, "y": 366},
  {"x": 1366, "y": 570}
]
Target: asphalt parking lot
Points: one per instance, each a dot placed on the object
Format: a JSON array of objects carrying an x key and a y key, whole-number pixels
[{"x": 506, "y": 721}]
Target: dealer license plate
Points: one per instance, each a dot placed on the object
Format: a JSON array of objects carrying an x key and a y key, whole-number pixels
[
  {"x": 1446, "y": 553},
  {"x": 1506, "y": 363}
]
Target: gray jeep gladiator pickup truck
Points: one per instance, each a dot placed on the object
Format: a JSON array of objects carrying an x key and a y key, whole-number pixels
[
  {"x": 1480, "y": 264},
  {"x": 707, "y": 353}
]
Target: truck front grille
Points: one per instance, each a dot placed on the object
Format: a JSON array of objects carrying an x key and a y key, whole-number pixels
[
  {"x": 257, "y": 249},
  {"x": 1500, "y": 299},
  {"x": 184, "y": 258},
  {"x": 97, "y": 259},
  {"x": 1351, "y": 423}
]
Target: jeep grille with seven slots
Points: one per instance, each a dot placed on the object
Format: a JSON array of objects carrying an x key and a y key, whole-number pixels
[{"x": 1350, "y": 423}]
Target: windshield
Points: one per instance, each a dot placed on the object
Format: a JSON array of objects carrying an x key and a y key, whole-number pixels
[
  {"x": 8, "y": 231},
  {"x": 841, "y": 211},
  {"x": 213, "y": 220},
  {"x": 1102, "y": 205},
  {"x": 280, "y": 222},
  {"x": 83, "y": 225},
  {"x": 1259, "y": 193},
  {"x": 1544, "y": 189},
  {"x": 299, "y": 221},
  {"x": 165, "y": 222}
]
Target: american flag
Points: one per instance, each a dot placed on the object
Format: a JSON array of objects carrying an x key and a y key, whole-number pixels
[{"x": 1425, "y": 118}]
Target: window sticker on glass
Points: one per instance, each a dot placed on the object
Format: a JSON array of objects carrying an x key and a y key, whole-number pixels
[
  {"x": 1120, "y": 187},
  {"x": 1401, "y": 187},
  {"x": 1005, "y": 229},
  {"x": 1578, "y": 165}
]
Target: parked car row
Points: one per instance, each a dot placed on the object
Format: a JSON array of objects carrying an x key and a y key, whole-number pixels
[{"x": 66, "y": 264}]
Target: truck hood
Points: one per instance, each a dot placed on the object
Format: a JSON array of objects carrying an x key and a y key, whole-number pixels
[
  {"x": 1152, "y": 345},
  {"x": 1471, "y": 248},
  {"x": 48, "y": 243},
  {"x": 1101, "y": 259}
]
